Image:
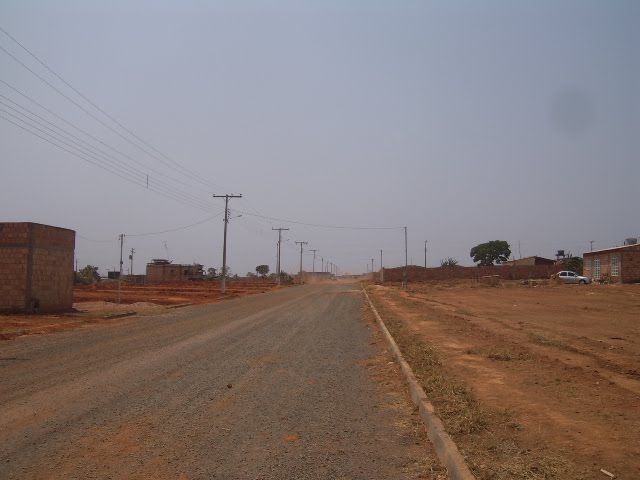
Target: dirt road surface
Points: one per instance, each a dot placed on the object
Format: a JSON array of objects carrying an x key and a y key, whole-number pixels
[{"x": 290, "y": 384}]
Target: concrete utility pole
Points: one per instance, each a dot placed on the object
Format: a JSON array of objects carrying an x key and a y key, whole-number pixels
[
  {"x": 406, "y": 260},
  {"x": 591, "y": 242},
  {"x": 372, "y": 265},
  {"x": 425, "y": 254},
  {"x": 322, "y": 264},
  {"x": 226, "y": 197},
  {"x": 314, "y": 259},
  {"x": 381, "y": 268},
  {"x": 301, "y": 244},
  {"x": 121, "y": 236},
  {"x": 279, "y": 242},
  {"x": 133, "y": 250}
]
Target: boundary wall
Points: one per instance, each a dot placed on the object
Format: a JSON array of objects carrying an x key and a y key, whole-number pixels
[{"x": 505, "y": 272}]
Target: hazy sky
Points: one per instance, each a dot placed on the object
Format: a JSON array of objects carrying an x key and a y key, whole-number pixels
[{"x": 464, "y": 121}]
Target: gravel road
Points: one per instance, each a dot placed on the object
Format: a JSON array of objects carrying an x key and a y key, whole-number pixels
[{"x": 272, "y": 386}]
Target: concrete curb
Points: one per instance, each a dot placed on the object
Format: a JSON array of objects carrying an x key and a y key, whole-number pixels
[
  {"x": 119, "y": 315},
  {"x": 446, "y": 449}
]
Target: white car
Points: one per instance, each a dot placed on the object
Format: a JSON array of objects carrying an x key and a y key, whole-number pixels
[{"x": 567, "y": 276}]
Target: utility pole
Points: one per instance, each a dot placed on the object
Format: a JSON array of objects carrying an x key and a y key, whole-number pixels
[
  {"x": 381, "y": 269},
  {"x": 314, "y": 259},
  {"x": 591, "y": 242},
  {"x": 322, "y": 264},
  {"x": 120, "y": 274},
  {"x": 425, "y": 254},
  {"x": 279, "y": 242},
  {"x": 372, "y": 265},
  {"x": 406, "y": 258},
  {"x": 133, "y": 250},
  {"x": 226, "y": 197},
  {"x": 300, "y": 274}
]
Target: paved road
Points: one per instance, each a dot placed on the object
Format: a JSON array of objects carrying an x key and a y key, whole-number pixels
[{"x": 266, "y": 387}]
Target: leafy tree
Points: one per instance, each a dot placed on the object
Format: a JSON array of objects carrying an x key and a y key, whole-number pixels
[
  {"x": 495, "y": 251},
  {"x": 88, "y": 275},
  {"x": 449, "y": 262},
  {"x": 575, "y": 264},
  {"x": 211, "y": 273},
  {"x": 251, "y": 275},
  {"x": 262, "y": 270}
]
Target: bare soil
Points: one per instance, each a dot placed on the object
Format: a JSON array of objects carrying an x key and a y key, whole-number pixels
[
  {"x": 97, "y": 304},
  {"x": 537, "y": 382}
]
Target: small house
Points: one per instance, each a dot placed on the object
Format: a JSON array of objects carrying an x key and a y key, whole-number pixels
[{"x": 617, "y": 264}]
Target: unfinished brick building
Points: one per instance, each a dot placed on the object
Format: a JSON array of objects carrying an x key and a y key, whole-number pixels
[
  {"x": 160, "y": 270},
  {"x": 36, "y": 267}
]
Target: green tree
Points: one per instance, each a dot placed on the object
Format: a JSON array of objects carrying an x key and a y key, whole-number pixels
[
  {"x": 575, "y": 264},
  {"x": 495, "y": 251},
  {"x": 449, "y": 262},
  {"x": 88, "y": 275},
  {"x": 262, "y": 270},
  {"x": 211, "y": 273}
]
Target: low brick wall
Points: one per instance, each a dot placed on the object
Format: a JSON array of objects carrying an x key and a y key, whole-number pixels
[{"x": 421, "y": 274}]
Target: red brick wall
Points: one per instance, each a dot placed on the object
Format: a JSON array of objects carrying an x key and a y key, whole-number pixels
[
  {"x": 418, "y": 274},
  {"x": 630, "y": 264},
  {"x": 36, "y": 265},
  {"x": 14, "y": 251}
]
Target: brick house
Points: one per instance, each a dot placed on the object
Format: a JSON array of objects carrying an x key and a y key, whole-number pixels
[
  {"x": 621, "y": 264},
  {"x": 529, "y": 261},
  {"x": 164, "y": 271},
  {"x": 36, "y": 267}
]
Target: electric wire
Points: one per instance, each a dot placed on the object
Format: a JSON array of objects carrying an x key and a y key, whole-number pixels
[
  {"x": 317, "y": 225},
  {"x": 179, "y": 168},
  {"x": 175, "y": 229},
  {"x": 88, "y": 158},
  {"x": 103, "y": 155},
  {"x": 74, "y": 145}
]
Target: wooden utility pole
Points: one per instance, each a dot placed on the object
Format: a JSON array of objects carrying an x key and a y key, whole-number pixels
[
  {"x": 226, "y": 197},
  {"x": 278, "y": 259},
  {"x": 300, "y": 274}
]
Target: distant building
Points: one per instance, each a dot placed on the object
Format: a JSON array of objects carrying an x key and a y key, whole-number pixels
[
  {"x": 618, "y": 264},
  {"x": 528, "y": 261},
  {"x": 160, "y": 270},
  {"x": 36, "y": 267}
]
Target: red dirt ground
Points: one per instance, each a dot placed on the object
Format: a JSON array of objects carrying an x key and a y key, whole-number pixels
[
  {"x": 92, "y": 303},
  {"x": 562, "y": 360}
]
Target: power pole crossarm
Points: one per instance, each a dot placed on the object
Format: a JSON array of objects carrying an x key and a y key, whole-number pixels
[{"x": 226, "y": 197}]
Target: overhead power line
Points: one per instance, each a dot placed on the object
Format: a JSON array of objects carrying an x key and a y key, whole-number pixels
[
  {"x": 341, "y": 227},
  {"x": 176, "y": 229},
  {"x": 113, "y": 169},
  {"x": 173, "y": 164},
  {"x": 97, "y": 154}
]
